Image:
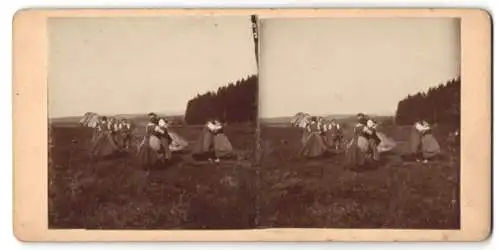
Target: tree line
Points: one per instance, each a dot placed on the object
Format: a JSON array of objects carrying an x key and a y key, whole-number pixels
[
  {"x": 439, "y": 104},
  {"x": 234, "y": 103}
]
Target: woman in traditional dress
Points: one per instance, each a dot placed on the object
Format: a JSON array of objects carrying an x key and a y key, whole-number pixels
[
  {"x": 300, "y": 120},
  {"x": 152, "y": 149},
  {"x": 125, "y": 130},
  {"x": 369, "y": 131},
  {"x": 222, "y": 146},
  {"x": 91, "y": 120},
  {"x": 357, "y": 148},
  {"x": 304, "y": 124},
  {"x": 314, "y": 145},
  {"x": 332, "y": 134},
  {"x": 103, "y": 144},
  {"x": 383, "y": 142},
  {"x": 113, "y": 127},
  {"x": 363, "y": 146},
  {"x": 203, "y": 148},
  {"x": 387, "y": 144},
  {"x": 423, "y": 145}
]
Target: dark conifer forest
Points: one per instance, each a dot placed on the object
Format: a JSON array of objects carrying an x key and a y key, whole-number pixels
[
  {"x": 439, "y": 104},
  {"x": 234, "y": 103}
]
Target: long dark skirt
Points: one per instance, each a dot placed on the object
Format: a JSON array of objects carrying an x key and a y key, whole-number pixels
[
  {"x": 124, "y": 140},
  {"x": 361, "y": 151},
  {"x": 355, "y": 156},
  {"x": 153, "y": 150},
  {"x": 314, "y": 146},
  {"x": 104, "y": 144},
  {"x": 333, "y": 140},
  {"x": 423, "y": 145},
  {"x": 204, "y": 146},
  {"x": 222, "y": 146}
]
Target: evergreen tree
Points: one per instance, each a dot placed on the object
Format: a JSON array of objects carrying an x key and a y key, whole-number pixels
[
  {"x": 438, "y": 105},
  {"x": 235, "y": 102}
]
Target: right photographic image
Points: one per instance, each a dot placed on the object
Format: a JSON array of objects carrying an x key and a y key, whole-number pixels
[{"x": 359, "y": 123}]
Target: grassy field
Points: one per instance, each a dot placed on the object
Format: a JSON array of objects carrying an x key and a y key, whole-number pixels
[
  {"x": 117, "y": 193},
  {"x": 284, "y": 190},
  {"x": 323, "y": 193}
]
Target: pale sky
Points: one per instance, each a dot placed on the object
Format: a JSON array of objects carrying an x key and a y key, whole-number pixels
[
  {"x": 138, "y": 65},
  {"x": 346, "y": 66}
]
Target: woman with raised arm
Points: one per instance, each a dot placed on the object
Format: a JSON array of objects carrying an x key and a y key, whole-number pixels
[{"x": 222, "y": 146}]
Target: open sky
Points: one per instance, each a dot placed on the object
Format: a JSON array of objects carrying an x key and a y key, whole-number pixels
[
  {"x": 346, "y": 66},
  {"x": 139, "y": 65}
]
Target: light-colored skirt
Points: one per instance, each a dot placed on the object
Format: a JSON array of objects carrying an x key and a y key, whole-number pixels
[
  {"x": 178, "y": 143},
  {"x": 386, "y": 144}
]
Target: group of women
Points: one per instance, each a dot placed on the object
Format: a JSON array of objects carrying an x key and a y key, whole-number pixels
[
  {"x": 367, "y": 143},
  {"x": 110, "y": 135},
  {"x": 319, "y": 134},
  {"x": 213, "y": 144},
  {"x": 159, "y": 142}
]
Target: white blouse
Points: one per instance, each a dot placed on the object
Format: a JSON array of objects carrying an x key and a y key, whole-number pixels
[
  {"x": 213, "y": 127},
  {"x": 162, "y": 123},
  {"x": 366, "y": 129},
  {"x": 123, "y": 126},
  {"x": 159, "y": 130},
  {"x": 371, "y": 124},
  {"x": 156, "y": 128},
  {"x": 422, "y": 127}
]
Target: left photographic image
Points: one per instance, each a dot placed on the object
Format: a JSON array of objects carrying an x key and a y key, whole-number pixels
[{"x": 152, "y": 122}]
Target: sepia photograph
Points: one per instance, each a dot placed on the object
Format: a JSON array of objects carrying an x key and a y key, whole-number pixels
[
  {"x": 152, "y": 122},
  {"x": 251, "y": 125},
  {"x": 360, "y": 123}
]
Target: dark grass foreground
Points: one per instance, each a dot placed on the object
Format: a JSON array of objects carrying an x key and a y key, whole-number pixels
[
  {"x": 289, "y": 191},
  {"x": 117, "y": 193},
  {"x": 323, "y": 193}
]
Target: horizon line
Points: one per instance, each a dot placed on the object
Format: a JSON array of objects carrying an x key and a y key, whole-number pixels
[
  {"x": 172, "y": 113},
  {"x": 120, "y": 114},
  {"x": 339, "y": 114}
]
